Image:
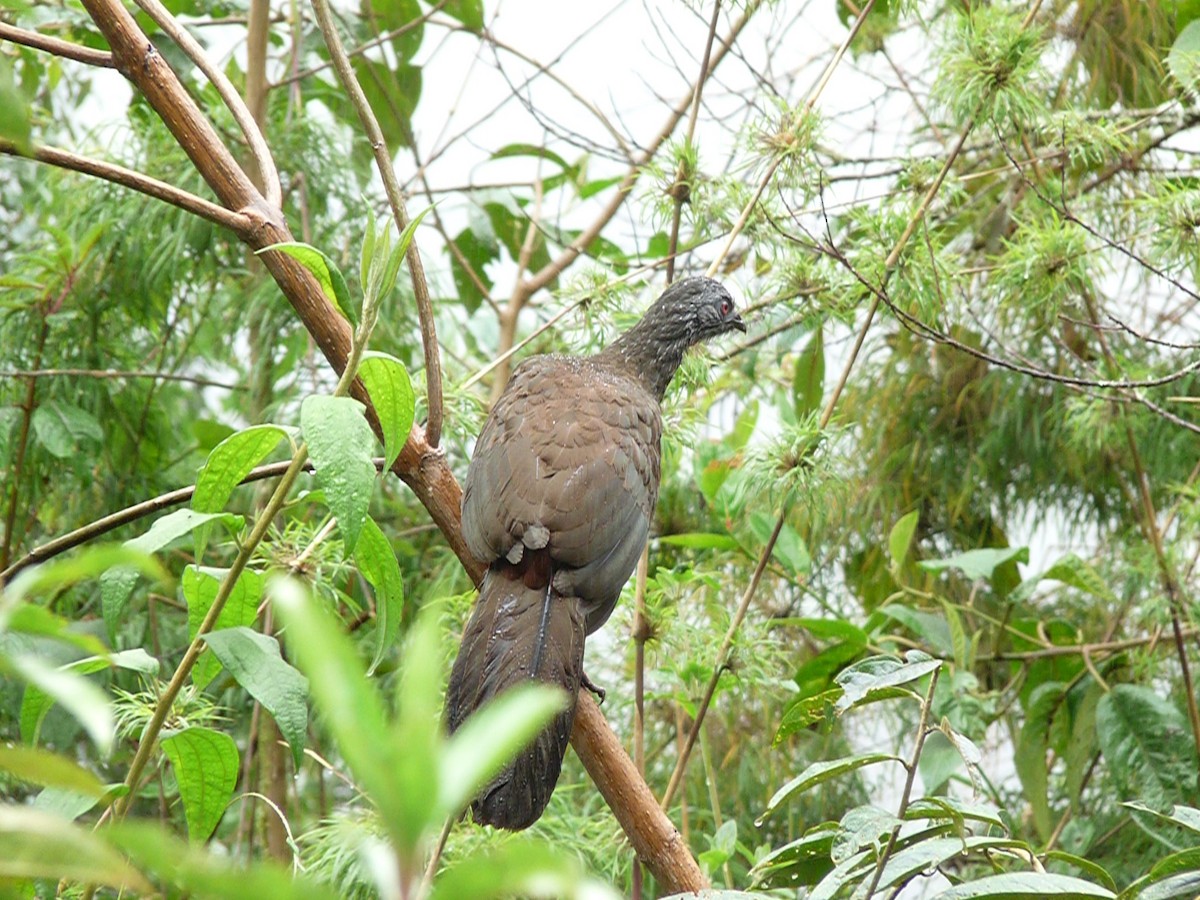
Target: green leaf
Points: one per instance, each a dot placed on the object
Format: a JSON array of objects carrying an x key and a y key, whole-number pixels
[
  {"x": 206, "y": 768},
  {"x": 47, "y": 685},
  {"x": 469, "y": 12},
  {"x": 342, "y": 693},
  {"x": 60, "y": 428},
  {"x": 490, "y": 738},
  {"x": 254, "y": 660},
  {"x": 15, "y": 122},
  {"x": 418, "y": 771},
  {"x": 931, "y": 627},
  {"x": 819, "y": 773},
  {"x": 802, "y": 862},
  {"x": 340, "y": 442},
  {"x": 1017, "y": 885},
  {"x": 377, "y": 562},
  {"x": 1078, "y": 574},
  {"x": 392, "y": 93},
  {"x": 66, "y": 571},
  {"x": 700, "y": 541},
  {"x": 391, "y": 394},
  {"x": 117, "y": 584},
  {"x": 518, "y": 868},
  {"x": 977, "y": 563},
  {"x": 1184, "y": 57},
  {"x": 37, "y": 766},
  {"x": 805, "y": 712},
  {"x": 1146, "y": 743},
  {"x": 231, "y": 461},
  {"x": 199, "y": 872},
  {"x": 1031, "y": 751},
  {"x": 900, "y": 538},
  {"x": 367, "y": 258},
  {"x": 881, "y": 673},
  {"x": 322, "y": 268},
  {"x": 808, "y": 381},
  {"x": 38, "y": 844},
  {"x": 200, "y": 589}
]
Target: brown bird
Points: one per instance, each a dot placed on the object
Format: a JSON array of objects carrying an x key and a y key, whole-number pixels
[{"x": 558, "y": 501}]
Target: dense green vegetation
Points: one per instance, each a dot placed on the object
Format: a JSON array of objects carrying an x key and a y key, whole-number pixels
[{"x": 919, "y": 605}]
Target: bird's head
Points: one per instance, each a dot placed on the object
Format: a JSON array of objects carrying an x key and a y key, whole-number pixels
[{"x": 693, "y": 310}]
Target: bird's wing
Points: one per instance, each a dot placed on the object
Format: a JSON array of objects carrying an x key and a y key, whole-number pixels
[{"x": 569, "y": 458}]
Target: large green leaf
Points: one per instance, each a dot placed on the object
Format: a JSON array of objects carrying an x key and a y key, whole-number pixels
[
  {"x": 340, "y": 442},
  {"x": 206, "y": 768},
  {"x": 47, "y": 685},
  {"x": 37, "y": 766},
  {"x": 348, "y": 703},
  {"x": 38, "y": 844},
  {"x": 1146, "y": 743},
  {"x": 1032, "y": 745},
  {"x": 254, "y": 660},
  {"x": 1031, "y": 885},
  {"x": 391, "y": 393},
  {"x": 199, "y": 872},
  {"x": 117, "y": 584},
  {"x": 231, "y": 461},
  {"x": 377, "y": 562},
  {"x": 820, "y": 772},
  {"x": 200, "y": 589},
  {"x": 871, "y": 678}
]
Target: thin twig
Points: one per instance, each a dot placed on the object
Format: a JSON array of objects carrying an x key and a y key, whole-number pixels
[
  {"x": 151, "y": 187},
  {"x": 113, "y": 373},
  {"x": 910, "y": 778},
  {"x": 228, "y": 93},
  {"x": 722, "y": 661},
  {"x": 383, "y": 162},
  {"x": 57, "y": 46}
]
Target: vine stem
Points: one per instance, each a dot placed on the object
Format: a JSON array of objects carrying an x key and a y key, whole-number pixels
[
  {"x": 391, "y": 185},
  {"x": 162, "y": 709},
  {"x": 910, "y": 778},
  {"x": 722, "y": 661}
]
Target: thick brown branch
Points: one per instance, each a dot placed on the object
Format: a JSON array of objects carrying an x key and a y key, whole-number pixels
[{"x": 655, "y": 841}]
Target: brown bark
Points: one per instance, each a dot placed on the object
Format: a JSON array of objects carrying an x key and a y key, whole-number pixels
[{"x": 422, "y": 467}]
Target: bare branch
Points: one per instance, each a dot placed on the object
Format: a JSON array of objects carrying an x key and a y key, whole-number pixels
[{"x": 54, "y": 45}]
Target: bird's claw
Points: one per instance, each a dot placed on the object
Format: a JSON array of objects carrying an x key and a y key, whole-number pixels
[{"x": 598, "y": 691}]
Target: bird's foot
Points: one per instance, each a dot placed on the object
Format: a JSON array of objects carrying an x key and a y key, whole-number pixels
[{"x": 598, "y": 691}]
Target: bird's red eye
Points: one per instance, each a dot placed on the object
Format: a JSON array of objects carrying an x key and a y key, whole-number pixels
[{"x": 726, "y": 306}]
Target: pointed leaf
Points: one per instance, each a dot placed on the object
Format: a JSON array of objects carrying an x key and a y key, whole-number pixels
[
  {"x": 819, "y": 773},
  {"x": 340, "y": 442},
  {"x": 200, "y": 588},
  {"x": 391, "y": 394},
  {"x": 47, "y": 685},
  {"x": 117, "y": 584},
  {"x": 38, "y": 844},
  {"x": 322, "y": 268},
  {"x": 900, "y": 539},
  {"x": 206, "y": 768},
  {"x": 808, "y": 381},
  {"x": 231, "y": 461},
  {"x": 254, "y": 660},
  {"x": 377, "y": 563}
]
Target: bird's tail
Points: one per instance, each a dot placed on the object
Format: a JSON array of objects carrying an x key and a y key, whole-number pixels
[{"x": 517, "y": 633}]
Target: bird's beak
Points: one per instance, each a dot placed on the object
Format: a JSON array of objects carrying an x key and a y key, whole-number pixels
[{"x": 736, "y": 322}]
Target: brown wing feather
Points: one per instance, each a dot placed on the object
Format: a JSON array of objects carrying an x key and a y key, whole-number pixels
[{"x": 570, "y": 454}]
